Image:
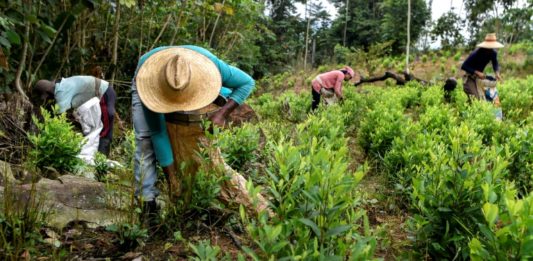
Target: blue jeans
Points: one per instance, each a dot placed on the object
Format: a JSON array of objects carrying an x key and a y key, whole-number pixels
[{"x": 144, "y": 165}]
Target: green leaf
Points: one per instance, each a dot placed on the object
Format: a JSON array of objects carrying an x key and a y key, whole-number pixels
[
  {"x": 5, "y": 42},
  {"x": 311, "y": 224},
  {"x": 32, "y": 19},
  {"x": 13, "y": 37},
  {"x": 48, "y": 30},
  {"x": 338, "y": 230},
  {"x": 128, "y": 3},
  {"x": 490, "y": 211}
]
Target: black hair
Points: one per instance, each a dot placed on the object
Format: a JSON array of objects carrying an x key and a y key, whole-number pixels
[
  {"x": 344, "y": 71},
  {"x": 449, "y": 87}
]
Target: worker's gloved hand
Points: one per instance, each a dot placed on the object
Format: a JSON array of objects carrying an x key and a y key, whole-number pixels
[{"x": 174, "y": 185}]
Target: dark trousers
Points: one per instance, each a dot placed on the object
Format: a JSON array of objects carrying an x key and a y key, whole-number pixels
[
  {"x": 316, "y": 99},
  {"x": 108, "y": 115},
  {"x": 471, "y": 89}
]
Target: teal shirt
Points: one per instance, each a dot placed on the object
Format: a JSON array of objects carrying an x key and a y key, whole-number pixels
[
  {"x": 74, "y": 91},
  {"x": 236, "y": 85}
]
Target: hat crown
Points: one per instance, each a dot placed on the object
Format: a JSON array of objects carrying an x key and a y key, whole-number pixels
[
  {"x": 490, "y": 37},
  {"x": 490, "y": 42},
  {"x": 178, "y": 73}
]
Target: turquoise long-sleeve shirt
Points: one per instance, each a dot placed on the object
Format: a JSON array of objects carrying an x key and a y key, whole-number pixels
[{"x": 236, "y": 85}]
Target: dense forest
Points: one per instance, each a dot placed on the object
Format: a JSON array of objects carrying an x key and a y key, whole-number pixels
[
  {"x": 50, "y": 39},
  {"x": 401, "y": 168}
]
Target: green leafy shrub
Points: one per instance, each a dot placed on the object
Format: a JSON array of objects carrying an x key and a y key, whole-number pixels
[
  {"x": 507, "y": 233},
  {"x": 125, "y": 152},
  {"x": 432, "y": 96},
  {"x": 438, "y": 119},
  {"x": 128, "y": 235},
  {"x": 100, "y": 166},
  {"x": 379, "y": 128},
  {"x": 407, "y": 153},
  {"x": 56, "y": 145},
  {"x": 275, "y": 82},
  {"x": 206, "y": 190},
  {"x": 353, "y": 109},
  {"x": 409, "y": 96},
  {"x": 239, "y": 145},
  {"x": 267, "y": 107},
  {"x": 295, "y": 106},
  {"x": 314, "y": 197},
  {"x": 204, "y": 251},
  {"x": 516, "y": 97},
  {"x": 457, "y": 56},
  {"x": 446, "y": 54},
  {"x": 481, "y": 117},
  {"x": 520, "y": 145},
  {"x": 20, "y": 222},
  {"x": 447, "y": 192}
]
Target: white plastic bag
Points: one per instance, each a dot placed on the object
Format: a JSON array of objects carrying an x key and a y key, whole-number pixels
[
  {"x": 328, "y": 96},
  {"x": 89, "y": 116}
]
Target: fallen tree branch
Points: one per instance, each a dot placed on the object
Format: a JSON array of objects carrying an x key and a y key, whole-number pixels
[{"x": 400, "y": 80}]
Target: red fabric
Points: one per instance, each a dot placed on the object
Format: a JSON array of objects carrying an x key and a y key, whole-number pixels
[{"x": 105, "y": 117}]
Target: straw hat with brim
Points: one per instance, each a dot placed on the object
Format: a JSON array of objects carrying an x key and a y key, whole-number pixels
[
  {"x": 178, "y": 79},
  {"x": 490, "y": 42}
]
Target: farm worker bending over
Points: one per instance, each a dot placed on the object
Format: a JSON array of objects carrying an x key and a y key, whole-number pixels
[
  {"x": 93, "y": 101},
  {"x": 330, "y": 80},
  {"x": 171, "y": 82},
  {"x": 475, "y": 64}
]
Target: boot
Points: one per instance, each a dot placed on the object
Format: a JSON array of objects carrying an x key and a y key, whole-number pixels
[{"x": 150, "y": 215}]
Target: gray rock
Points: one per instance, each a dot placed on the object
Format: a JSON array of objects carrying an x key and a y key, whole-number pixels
[
  {"x": 76, "y": 198},
  {"x": 6, "y": 174}
]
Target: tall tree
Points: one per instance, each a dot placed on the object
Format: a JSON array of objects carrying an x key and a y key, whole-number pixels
[
  {"x": 408, "y": 45},
  {"x": 448, "y": 29},
  {"x": 395, "y": 17},
  {"x": 479, "y": 11},
  {"x": 361, "y": 18},
  {"x": 116, "y": 25}
]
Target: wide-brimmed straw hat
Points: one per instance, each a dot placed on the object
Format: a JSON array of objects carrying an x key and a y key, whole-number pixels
[
  {"x": 490, "y": 42},
  {"x": 178, "y": 79}
]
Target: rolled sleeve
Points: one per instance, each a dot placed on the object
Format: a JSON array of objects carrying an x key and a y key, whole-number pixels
[
  {"x": 160, "y": 141},
  {"x": 241, "y": 84}
]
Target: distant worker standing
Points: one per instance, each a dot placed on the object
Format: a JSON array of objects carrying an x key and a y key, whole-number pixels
[
  {"x": 330, "y": 80},
  {"x": 475, "y": 64}
]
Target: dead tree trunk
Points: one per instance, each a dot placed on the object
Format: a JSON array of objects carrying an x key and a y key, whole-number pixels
[
  {"x": 400, "y": 79},
  {"x": 20, "y": 69},
  {"x": 216, "y": 23},
  {"x": 115, "y": 42}
]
